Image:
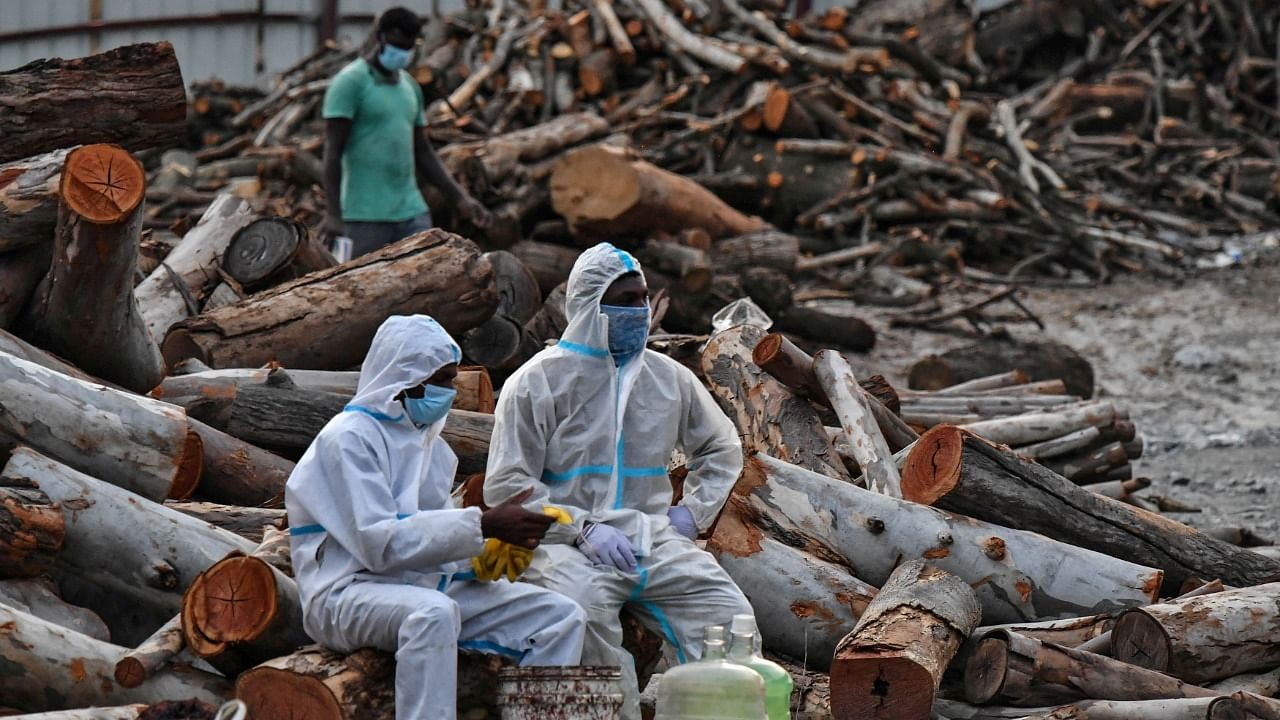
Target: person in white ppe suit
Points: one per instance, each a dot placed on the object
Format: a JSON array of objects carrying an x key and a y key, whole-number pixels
[
  {"x": 591, "y": 422},
  {"x": 381, "y": 556}
]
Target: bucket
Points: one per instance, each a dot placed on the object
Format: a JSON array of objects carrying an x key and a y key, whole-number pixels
[{"x": 560, "y": 693}]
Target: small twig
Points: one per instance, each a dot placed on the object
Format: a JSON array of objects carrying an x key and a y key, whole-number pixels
[{"x": 1028, "y": 164}]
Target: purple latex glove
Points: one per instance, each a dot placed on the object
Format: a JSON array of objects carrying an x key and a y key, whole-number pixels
[
  {"x": 682, "y": 520},
  {"x": 607, "y": 545}
]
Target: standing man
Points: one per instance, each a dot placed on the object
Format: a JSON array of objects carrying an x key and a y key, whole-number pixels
[
  {"x": 375, "y": 140},
  {"x": 381, "y": 556},
  {"x": 591, "y": 424}
]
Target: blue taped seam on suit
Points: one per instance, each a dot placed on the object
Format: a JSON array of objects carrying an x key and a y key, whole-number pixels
[
  {"x": 492, "y": 647},
  {"x": 306, "y": 530},
  {"x": 661, "y": 617},
  {"x": 581, "y": 349},
  {"x": 625, "y": 257},
  {"x": 571, "y": 473},
  {"x": 372, "y": 413}
]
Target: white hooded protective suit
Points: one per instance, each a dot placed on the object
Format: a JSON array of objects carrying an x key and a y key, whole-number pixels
[
  {"x": 595, "y": 440},
  {"x": 381, "y": 557}
]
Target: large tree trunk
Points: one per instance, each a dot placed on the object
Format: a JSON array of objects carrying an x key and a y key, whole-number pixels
[
  {"x": 247, "y": 522},
  {"x": 892, "y": 663},
  {"x": 1205, "y": 638},
  {"x": 29, "y": 200},
  {"x": 238, "y": 472},
  {"x": 21, "y": 271},
  {"x": 1039, "y": 360},
  {"x": 803, "y": 605},
  {"x": 769, "y": 417},
  {"x": 960, "y": 472},
  {"x": 138, "y": 555},
  {"x": 39, "y": 597},
  {"x": 192, "y": 266},
  {"x": 51, "y": 668},
  {"x": 326, "y": 320},
  {"x": 140, "y": 444},
  {"x": 133, "y": 96},
  {"x": 1018, "y": 576},
  {"x": 603, "y": 192},
  {"x": 1018, "y": 670},
  {"x": 85, "y": 309}
]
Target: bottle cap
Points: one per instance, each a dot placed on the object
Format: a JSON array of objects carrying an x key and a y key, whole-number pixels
[
  {"x": 743, "y": 625},
  {"x": 714, "y": 632}
]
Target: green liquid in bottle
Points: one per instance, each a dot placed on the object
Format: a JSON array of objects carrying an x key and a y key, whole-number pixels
[{"x": 777, "y": 681}]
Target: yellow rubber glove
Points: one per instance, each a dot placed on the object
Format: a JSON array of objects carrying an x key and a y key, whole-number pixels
[{"x": 499, "y": 558}]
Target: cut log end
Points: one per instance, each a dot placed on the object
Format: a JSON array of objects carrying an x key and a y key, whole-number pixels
[
  {"x": 776, "y": 105},
  {"x": 876, "y": 687},
  {"x": 933, "y": 467},
  {"x": 274, "y": 694},
  {"x": 190, "y": 468},
  {"x": 102, "y": 183},
  {"x": 261, "y": 248},
  {"x": 236, "y": 602},
  {"x": 130, "y": 673},
  {"x": 614, "y": 187},
  {"x": 767, "y": 349},
  {"x": 178, "y": 345},
  {"x": 1141, "y": 640},
  {"x": 985, "y": 670}
]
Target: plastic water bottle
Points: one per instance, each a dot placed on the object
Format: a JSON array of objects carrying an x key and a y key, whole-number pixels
[
  {"x": 744, "y": 649},
  {"x": 712, "y": 688}
]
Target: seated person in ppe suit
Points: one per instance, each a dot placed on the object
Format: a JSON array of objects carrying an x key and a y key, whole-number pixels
[
  {"x": 382, "y": 558},
  {"x": 591, "y": 422}
]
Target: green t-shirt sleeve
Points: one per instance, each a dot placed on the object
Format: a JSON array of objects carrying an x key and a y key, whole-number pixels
[
  {"x": 343, "y": 96},
  {"x": 419, "y": 119}
]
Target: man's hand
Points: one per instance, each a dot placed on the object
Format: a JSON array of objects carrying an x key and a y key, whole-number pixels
[
  {"x": 471, "y": 210},
  {"x": 511, "y": 523}
]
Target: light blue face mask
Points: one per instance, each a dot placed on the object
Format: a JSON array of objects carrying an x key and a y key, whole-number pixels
[
  {"x": 394, "y": 58},
  {"x": 628, "y": 331},
  {"x": 431, "y": 407}
]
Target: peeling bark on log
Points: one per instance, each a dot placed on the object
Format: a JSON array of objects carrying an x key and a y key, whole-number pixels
[
  {"x": 803, "y": 605},
  {"x": 1205, "y": 638},
  {"x": 602, "y": 192},
  {"x": 1018, "y": 576},
  {"x": 29, "y": 200},
  {"x": 1071, "y": 632},
  {"x": 325, "y": 321},
  {"x": 140, "y": 444},
  {"x": 133, "y": 551},
  {"x": 51, "y": 668},
  {"x": 321, "y": 684},
  {"x": 39, "y": 597},
  {"x": 194, "y": 263},
  {"x": 1018, "y": 670},
  {"x": 247, "y": 522},
  {"x": 238, "y": 472},
  {"x": 890, "y": 666},
  {"x": 858, "y": 422},
  {"x": 84, "y": 309},
  {"x": 133, "y": 96},
  {"x": 31, "y": 531},
  {"x": 960, "y": 472},
  {"x": 1040, "y": 361},
  {"x": 768, "y": 416}
]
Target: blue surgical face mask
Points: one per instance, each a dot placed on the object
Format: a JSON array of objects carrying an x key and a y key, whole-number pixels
[
  {"x": 431, "y": 407},
  {"x": 628, "y": 330},
  {"x": 394, "y": 58}
]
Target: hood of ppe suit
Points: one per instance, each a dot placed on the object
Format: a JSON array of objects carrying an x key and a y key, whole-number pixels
[
  {"x": 406, "y": 350},
  {"x": 593, "y": 273}
]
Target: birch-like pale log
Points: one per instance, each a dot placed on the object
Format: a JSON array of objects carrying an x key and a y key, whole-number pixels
[
  {"x": 1018, "y": 576},
  {"x": 47, "y": 667},
  {"x": 1034, "y": 427},
  {"x": 122, "y": 712},
  {"x": 151, "y": 654},
  {"x": 140, "y": 444},
  {"x": 39, "y": 597},
  {"x": 890, "y": 666},
  {"x": 1205, "y": 638},
  {"x": 194, "y": 262},
  {"x": 1209, "y": 708},
  {"x": 137, "y": 553},
  {"x": 859, "y": 423}
]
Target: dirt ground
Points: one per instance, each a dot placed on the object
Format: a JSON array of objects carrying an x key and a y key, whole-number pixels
[{"x": 1195, "y": 361}]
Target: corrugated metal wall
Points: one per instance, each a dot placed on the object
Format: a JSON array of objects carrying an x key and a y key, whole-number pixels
[{"x": 243, "y": 42}]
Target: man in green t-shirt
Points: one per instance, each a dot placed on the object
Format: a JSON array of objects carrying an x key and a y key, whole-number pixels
[{"x": 375, "y": 140}]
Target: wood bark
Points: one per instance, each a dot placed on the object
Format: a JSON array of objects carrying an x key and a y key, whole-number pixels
[
  {"x": 498, "y": 157},
  {"x": 803, "y": 605},
  {"x": 136, "y": 553},
  {"x": 17, "y": 347},
  {"x": 31, "y": 532},
  {"x": 191, "y": 267},
  {"x": 765, "y": 248},
  {"x": 39, "y": 597},
  {"x": 960, "y": 472},
  {"x": 84, "y": 309},
  {"x": 853, "y": 408},
  {"x": 235, "y": 471},
  {"x": 247, "y": 522},
  {"x": 325, "y": 321},
  {"x": 271, "y": 250},
  {"x": 1034, "y": 427},
  {"x": 20, "y": 273},
  {"x": 890, "y": 666},
  {"x": 122, "y": 712},
  {"x": 1260, "y": 683},
  {"x": 133, "y": 96},
  {"x": 29, "y": 199},
  {"x": 1071, "y": 632},
  {"x": 1205, "y": 638},
  {"x": 1018, "y": 576},
  {"x": 768, "y": 416},
  {"x": 151, "y": 654},
  {"x": 500, "y": 342},
  {"x": 140, "y": 444},
  {"x": 550, "y": 264},
  {"x": 1017, "y": 670},
  {"x": 844, "y": 331},
  {"x": 690, "y": 267},
  {"x": 1219, "y": 708},
  {"x": 602, "y": 192},
  {"x": 48, "y": 667},
  {"x": 1039, "y": 360}
]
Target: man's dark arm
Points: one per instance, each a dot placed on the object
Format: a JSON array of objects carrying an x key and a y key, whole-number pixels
[{"x": 336, "y": 132}]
